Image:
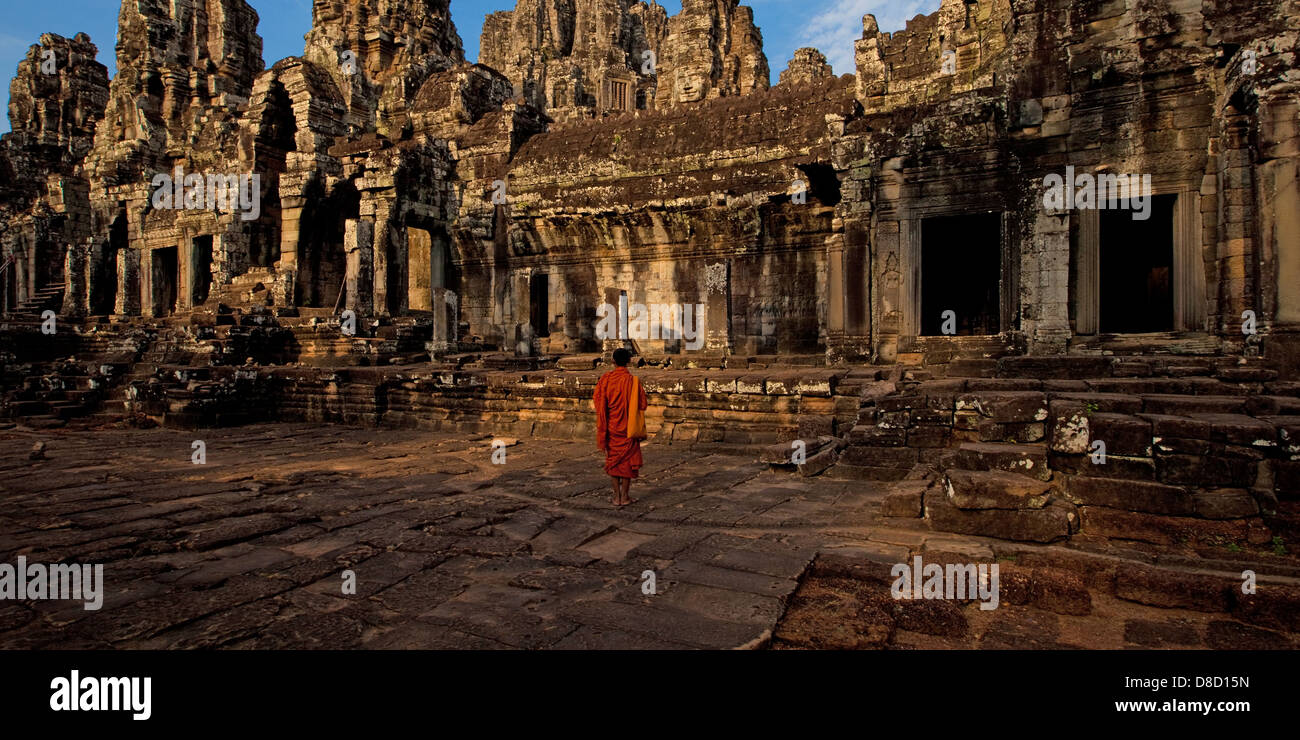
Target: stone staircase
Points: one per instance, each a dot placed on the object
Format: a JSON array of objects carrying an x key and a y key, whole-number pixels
[
  {"x": 73, "y": 373},
  {"x": 1201, "y": 451},
  {"x": 49, "y": 297}
]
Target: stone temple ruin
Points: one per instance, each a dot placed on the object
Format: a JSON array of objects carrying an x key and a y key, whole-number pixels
[{"x": 924, "y": 269}]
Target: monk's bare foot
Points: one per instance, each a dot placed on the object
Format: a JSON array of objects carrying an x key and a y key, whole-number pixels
[{"x": 629, "y": 502}]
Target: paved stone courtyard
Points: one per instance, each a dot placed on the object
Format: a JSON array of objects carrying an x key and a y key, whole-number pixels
[{"x": 450, "y": 550}]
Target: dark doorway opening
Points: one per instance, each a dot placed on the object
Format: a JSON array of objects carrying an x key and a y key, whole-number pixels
[
  {"x": 165, "y": 273},
  {"x": 1137, "y": 269},
  {"x": 538, "y": 299},
  {"x": 322, "y": 258},
  {"x": 103, "y": 278},
  {"x": 264, "y": 233},
  {"x": 961, "y": 271},
  {"x": 201, "y": 264}
]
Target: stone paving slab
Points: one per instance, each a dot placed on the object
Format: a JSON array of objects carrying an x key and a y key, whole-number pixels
[{"x": 451, "y": 551}]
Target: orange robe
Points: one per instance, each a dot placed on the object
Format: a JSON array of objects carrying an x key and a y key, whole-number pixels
[{"x": 613, "y": 393}]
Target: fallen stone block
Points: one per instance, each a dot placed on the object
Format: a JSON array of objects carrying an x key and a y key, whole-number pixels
[
  {"x": 818, "y": 463},
  {"x": 1272, "y": 605}
]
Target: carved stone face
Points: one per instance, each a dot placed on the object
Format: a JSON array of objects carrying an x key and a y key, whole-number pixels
[{"x": 689, "y": 85}]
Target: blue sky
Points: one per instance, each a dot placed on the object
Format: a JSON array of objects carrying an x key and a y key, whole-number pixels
[{"x": 829, "y": 25}]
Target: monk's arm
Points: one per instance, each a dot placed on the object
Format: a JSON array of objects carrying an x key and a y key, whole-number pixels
[
  {"x": 641, "y": 400},
  {"x": 602, "y": 414}
]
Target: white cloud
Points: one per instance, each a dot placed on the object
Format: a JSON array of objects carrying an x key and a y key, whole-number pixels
[{"x": 837, "y": 26}]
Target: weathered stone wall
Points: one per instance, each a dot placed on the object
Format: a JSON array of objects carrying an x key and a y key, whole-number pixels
[
  {"x": 55, "y": 100},
  {"x": 655, "y": 205},
  {"x": 566, "y": 56},
  {"x": 798, "y": 217}
]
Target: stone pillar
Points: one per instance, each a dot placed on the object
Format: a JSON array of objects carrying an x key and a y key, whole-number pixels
[
  {"x": 382, "y": 236},
  {"x": 1238, "y": 250},
  {"x": 888, "y": 293},
  {"x": 358, "y": 244},
  {"x": 290, "y": 220},
  {"x": 230, "y": 253},
  {"x": 1087, "y": 305},
  {"x": 184, "y": 270},
  {"x": 870, "y": 64},
  {"x": 445, "y": 318},
  {"x": 1279, "y": 181},
  {"x": 399, "y": 279},
  {"x": 1189, "y": 265},
  {"x": 146, "y": 281},
  {"x": 1045, "y": 282},
  {"x": 835, "y": 286},
  {"x": 717, "y": 312},
  {"x": 129, "y": 285},
  {"x": 76, "y": 267}
]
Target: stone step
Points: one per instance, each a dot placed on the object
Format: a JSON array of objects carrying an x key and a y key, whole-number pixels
[
  {"x": 995, "y": 489},
  {"x": 1051, "y": 521},
  {"x": 29, "y": 408},
  {"x": 1025, "y": 460},
  {"x": 1162, "y": 403},
  {"x": 44, "y": 421},
  {"x": 70, "y": 410}
]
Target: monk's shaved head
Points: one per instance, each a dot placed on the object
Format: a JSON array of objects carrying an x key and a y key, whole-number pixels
[{"x": 622, "y": 357}]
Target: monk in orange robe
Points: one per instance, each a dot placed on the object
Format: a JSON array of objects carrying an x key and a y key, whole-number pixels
[{"x": 613, "y": 401}]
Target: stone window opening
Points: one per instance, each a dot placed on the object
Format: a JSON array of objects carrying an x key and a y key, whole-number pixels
[
  {"x": 823, "y": 183},
  {"x": 618, "y": 95}
]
